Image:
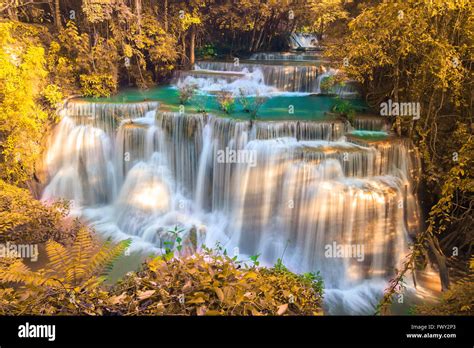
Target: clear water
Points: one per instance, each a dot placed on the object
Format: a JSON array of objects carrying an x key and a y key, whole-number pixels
[{"x": 277, "y": 107}]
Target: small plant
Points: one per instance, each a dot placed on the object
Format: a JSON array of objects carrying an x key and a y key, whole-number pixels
[
  {"x": 316, "y": 281},
  {"x": 345, "y": 109},
  {"x": 251, "y": 105},
  {"x": 176, "y": 244},
  {"x": 327, "y": 84},
  {"x": 186, "y": 92},
  {"x": 82, "y": 265},
  {"x": 279, "y": 266},
  {"x": 207, "y": 51},
  {"x": 226, "y": 102},
  {"x": 254, "y": 259}
]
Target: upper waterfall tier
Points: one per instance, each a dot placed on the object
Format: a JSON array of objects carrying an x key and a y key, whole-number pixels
[
  {"x": 295, "y": 78},
  {"x": 287, "y": 56}
]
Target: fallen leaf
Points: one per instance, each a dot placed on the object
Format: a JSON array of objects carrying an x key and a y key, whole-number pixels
[
  {"x": 187, "y": 285},
  {"x": 143, "y": 295},
  {"x": 282, "y": 309},
  {"x": 201, "y": 310},
  {"x": 117, "y": 299}
]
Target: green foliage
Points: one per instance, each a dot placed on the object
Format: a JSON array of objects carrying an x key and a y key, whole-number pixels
[
  {"x": 254, "y": 259},
  {"x": 316, "y": 281},
  {"x": 175, "y": 244},
  {"x": 345, "y": 109},
  {"x": 208, "y": 51},
  {"x": 327, "y": 84}
]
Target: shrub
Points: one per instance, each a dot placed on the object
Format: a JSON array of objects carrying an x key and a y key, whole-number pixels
[
  {"x": 69, "y": 284},
  {"x": 186, "y": 92},
  {"x": 209, "y": 283},
  {"x": 24, "y": 219},
  {"x": 208, "y": 51},
  {"x": 345, "y": 109},
  {"x": 52, "y": 93},
  {"x": 226, "y": 102},
  {"x": 327, "y": 84},
  {"x": 204, "y": 283},
  {"x": 97, "y": 85},
  {"x": 251, "y": 105}
]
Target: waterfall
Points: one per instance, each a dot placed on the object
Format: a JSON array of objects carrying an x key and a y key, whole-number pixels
[
  {"x": 370, "y": 123},
  {"x": 305, "y": 41},
  {"x": 286, "y": 56},
  {"x": 288, "y": 78},
  {"x": 209, "y": 81},
  {"x": 291, "y": 189},
  {"x": 80, "y": 162},
  {"x": 262, "y": 79}
]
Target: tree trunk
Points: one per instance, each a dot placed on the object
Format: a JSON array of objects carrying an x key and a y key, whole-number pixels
[
  {"x": 441, "y": 261},
  {"x": 183, "y": 43},
  {"x": 166, "y": 15},
  {"x": 254, "y": 32},
  {"x": 192, "y": 43},
  {"x": 57, "y": 15},
  {"x": 138, "y": 8}
]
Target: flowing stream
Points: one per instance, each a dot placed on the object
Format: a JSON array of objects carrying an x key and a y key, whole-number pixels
[{"x": 297, "y": 190}]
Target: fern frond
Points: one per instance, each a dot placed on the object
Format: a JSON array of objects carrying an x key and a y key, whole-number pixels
[
  {"x": 92, "y": 283},
  {"x": 58, "y": 255},
  {"x": 80, "y": 254},
  {"x": 103, "y": 261},
  {"x": 18, "y": 272}
]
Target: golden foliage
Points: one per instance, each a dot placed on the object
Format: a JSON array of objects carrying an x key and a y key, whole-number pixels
[
  {"x": 201, "y": 284},
  {"x": 72, "y": 267},
  {"x": 68, "y": 284},
  {"x": 212, "y": 284},
  {"x": 26, "y": 220},
  {"x": 22, "y": 119}
]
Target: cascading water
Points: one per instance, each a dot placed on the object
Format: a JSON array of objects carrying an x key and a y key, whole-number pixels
[
  {"x": 287, "y": 78},
  {"x": 286, "y": 56},
  {"x": 262, "y": 79},
  {"x": 288, "y": 189},
  {"x": 305, "y": 41}
]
